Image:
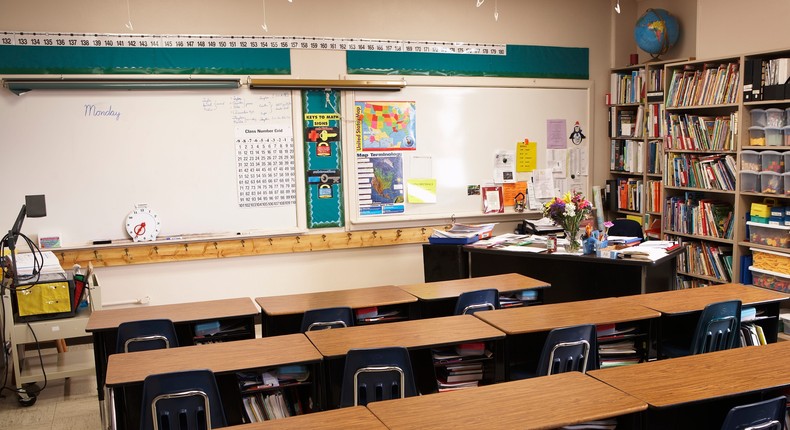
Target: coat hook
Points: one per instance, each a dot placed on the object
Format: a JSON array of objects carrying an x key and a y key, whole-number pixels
[
  {"x": 349, "y": 236},
  {"x": 298, "y": 239},
  {"x": 398, "y": 233},
  {"x": 186, "y": 247},
  {"x": 423, "y": 230},
  {"x": 271, "y": 242},
  {"x": 156, "y": 250},
  {"x": 323, "y": 237},
  {"x": 242, "y": 243},
  {"x": 96, "y": 255},
  {"x": 215, "y": 246},
  {"x": 374, "y": 234},
  {"x": 126, "y": 251}
]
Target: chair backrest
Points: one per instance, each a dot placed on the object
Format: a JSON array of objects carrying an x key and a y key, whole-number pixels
[
  {"x": 145, "y": 335},
  {"x": 717, "y": 328},
  {"x": 375, "y": 374},
  {"x": 626, "y": 227},
  {"x": 321, "y": 319},
  {"x": 766, "y": 415},
  {"x": 569, "y": 349},
  {"x": 480, "y": 300},
  {"x": 181, "y": 401}
]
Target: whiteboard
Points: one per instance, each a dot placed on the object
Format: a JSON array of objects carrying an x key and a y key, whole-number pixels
[
  {"x": 95, "y": 154},
  {"x": 461, "y": 128}
]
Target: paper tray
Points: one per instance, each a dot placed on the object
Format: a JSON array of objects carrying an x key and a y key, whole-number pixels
[{"x": 452, "y": 240}]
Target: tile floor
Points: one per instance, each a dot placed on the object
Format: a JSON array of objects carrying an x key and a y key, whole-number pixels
[{"x": 63, "y": 405}]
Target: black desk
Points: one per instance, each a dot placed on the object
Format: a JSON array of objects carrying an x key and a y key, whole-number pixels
[{"x": 572, "y": 277}]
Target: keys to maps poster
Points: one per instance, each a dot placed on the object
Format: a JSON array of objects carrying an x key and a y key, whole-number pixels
[{"x": 385, "y": 126}]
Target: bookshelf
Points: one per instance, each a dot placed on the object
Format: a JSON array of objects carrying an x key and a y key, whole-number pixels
[
  {"x": 636, "y": 106},
  {"x": 700, "y": 167},
  {"x": 764, "y": 106}
]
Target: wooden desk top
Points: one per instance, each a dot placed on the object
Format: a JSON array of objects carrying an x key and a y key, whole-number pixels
[
  {"x": 355, "y": 417},
  {"x": 410, "y": 334},
  {"x": 695, "y": 299},
  {"x": 356, "y": 298},
  {"x": 530, "y": 319},
  {"x": 704, "y": 376},
  {"x": 538, "y": 403},
  {"x": 449, "y": 289},
  {"x": 218, "y": 357},
  {"x": 107, "y": 319}
]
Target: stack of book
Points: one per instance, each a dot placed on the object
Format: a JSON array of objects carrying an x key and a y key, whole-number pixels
[
  {"x": 274, "y": 394},
  {"x": 373, "y": 314},
  {"x": 518, "y": 298},
  {"x": 462, "y": 366},
  {"x": 751, "y": 334},
  {"x": 617, "y": 346}
]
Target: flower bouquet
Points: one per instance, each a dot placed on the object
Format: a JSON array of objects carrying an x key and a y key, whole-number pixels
[{"x": 568, "y": 212}]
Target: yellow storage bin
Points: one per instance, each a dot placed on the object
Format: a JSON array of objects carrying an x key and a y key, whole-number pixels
[{"x": 771, "y": 260}]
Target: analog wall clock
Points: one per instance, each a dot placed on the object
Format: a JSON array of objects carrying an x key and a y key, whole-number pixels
[{"x": 142, "y": 224}]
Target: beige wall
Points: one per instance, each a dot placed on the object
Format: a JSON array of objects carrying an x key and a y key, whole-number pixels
[
  {"x": 733, "y": 27},
  {"x": 577, "y": 23}
]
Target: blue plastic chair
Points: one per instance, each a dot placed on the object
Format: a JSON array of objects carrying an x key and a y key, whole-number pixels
[
  {"x": 474, "y": 301},
  {"x": 717, "y": 329},
  {"x": 766, "y": 415},
  {"x": 569, "y": 349},
  {"x": 181, "y": 401},
  {"x": 375, "y": 374},
  {"x": 326, "y": 318},
  {"x": 145, "y": 335}
]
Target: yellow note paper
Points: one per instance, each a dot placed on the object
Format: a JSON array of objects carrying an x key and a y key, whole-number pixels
[
  {"x": 526, "y": 156},
  {"x": 421, "y": 190}
]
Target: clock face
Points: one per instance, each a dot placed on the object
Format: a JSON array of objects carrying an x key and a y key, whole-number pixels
[{"x": 142, "y": 224}]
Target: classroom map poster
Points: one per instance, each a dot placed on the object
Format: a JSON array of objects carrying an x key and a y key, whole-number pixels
[
  {"x": 265, "y": 166},
  {"x": 385, "y": 126},
  {"x": 380, "y": 183}
]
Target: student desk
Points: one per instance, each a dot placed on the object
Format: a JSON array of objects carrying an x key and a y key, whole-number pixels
[
  {"x": 224, "y": 359},
  {"x": 527, "y": 327},
  {"x": 572, "y": 277},
  {"x": 697, "y": 391},
  {"x": 103, "y": 324},
  {"x": 537, "y": 403},
  {"x": 419, "y": 336},
  {"x": 438, "y": 298},
  {"x": 680, "y": 309},
  {"x": 283, "y": 314},
  {"x": 356, "y": 417}
]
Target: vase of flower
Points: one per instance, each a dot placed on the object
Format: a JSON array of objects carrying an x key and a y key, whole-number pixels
[
  {"x": 568, "y": 212},
  {"x": 574, "y": 241}
]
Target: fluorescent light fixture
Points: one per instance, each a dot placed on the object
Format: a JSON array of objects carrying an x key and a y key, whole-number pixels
[
  {"x": 327, "y": 84},
  {"x": 21, "y": 86}
]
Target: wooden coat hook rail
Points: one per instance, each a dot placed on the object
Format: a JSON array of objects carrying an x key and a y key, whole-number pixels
[{"x": 207, "y": 248}]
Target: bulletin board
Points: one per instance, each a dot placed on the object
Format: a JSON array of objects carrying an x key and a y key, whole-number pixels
[
  {"x": 187, "y": 154},
  {"x": 460, "y": 126}
]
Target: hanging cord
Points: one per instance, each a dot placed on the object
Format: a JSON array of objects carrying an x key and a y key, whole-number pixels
[
  {"x": 264, "y": 26},
  {"x": 129, "y": 16}
]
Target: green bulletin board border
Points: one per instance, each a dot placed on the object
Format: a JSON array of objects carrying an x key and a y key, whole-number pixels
[
  {"x": 521, "y": 61},
  {"x": 124, "y": 60}
]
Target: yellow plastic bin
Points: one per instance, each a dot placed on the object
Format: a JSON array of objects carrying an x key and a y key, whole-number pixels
[{"x": 756, "y": 136}]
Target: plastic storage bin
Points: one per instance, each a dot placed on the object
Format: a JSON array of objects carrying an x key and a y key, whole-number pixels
[
  {"x": 786, "y": 133},
  {"x": 775, "y": 117},
  {"x": 757, "y": 136},
  {"x": 750, "y": 181},
  {"x": 771, "y": 183},
  {"x": 772, "y": 161},
  {"x": 786, "y": 157},
  {"x": 770, "y": 235},
  {"x": 759, "y": 117},
  {"x": 773, "y": 261},
  {"x": 774, "y": 136},
  {"x": 771, "y": 280},
  {"x": 786, "y": 177},
  {"x": 751, "y": 160}
]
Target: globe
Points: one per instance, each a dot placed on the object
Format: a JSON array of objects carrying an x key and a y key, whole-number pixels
[{"x": 656, "y": 31}]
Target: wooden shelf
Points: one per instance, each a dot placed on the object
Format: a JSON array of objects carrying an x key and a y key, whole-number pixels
[
  {"x": 668, "y": 187},
  {"x": 700, "y": 237},
  {"x": 707, "y": 278}
]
